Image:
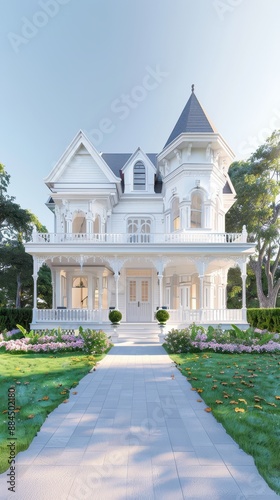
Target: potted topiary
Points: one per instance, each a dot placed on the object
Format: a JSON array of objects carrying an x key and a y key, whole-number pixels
[
  {"x": 115, "y": 316},
  {"x": 162, "y": 316}
]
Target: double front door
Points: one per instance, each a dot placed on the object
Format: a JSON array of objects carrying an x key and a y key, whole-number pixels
[{"x": 139, "y": 306}]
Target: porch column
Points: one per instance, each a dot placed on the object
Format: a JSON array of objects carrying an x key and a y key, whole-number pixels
[
  {"x": 69, "y": 290},
  {"x": 160, "y": 276},
  {"x": 35, "y": 277},
  {"x": 244, "y": 276},
  {"x": 100, "y": 295},
  {"x": 117, "y": 277},
  {"x": 90, "y": 292},
  {"x": 57, "y": 289},
  {"x": 53, "y": 288},
  {"x": 201, "y": 302}
]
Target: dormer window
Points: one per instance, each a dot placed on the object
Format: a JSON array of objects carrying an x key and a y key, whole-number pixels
[
  {"x": 139, "y": 176},
  {"x": 196, "y": 210},
  {"x": 79, "y": 224}
]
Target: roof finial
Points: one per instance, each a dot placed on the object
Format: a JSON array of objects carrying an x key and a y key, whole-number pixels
[{"x": 192, "y": 87}]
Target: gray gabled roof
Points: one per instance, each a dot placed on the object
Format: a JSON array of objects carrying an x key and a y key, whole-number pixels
[
  {"x": 116, "y": 161},
  {"x": 193, "y": 119}
]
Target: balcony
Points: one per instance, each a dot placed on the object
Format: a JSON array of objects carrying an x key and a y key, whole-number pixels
[{"x": 139, "y": 239}]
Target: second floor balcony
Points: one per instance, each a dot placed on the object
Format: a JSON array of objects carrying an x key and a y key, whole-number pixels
[{"x": 176, "y": 238}]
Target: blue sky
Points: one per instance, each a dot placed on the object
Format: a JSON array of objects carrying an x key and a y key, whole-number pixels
[{"x": 122, "y": 71}]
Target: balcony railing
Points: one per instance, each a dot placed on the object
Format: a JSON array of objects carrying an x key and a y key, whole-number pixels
[{"x": 139, "y": 239}]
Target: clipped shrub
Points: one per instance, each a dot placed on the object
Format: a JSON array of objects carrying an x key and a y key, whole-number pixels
[
  {"x": 162, "y": 316},
  {"x": 264, "y": 319},
  {"x": 115, "y": 316},
  {"x": 9, "y": 318}
]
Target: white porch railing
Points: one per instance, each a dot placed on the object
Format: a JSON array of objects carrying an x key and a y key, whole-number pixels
[
  {"x": 70, "y": 315},
  {"x": 206, "y": 316},
  {"x": 145, "y": 238},
  {"x": 178, "y": 316}
]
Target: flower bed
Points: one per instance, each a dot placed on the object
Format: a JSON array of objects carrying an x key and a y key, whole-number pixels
[
  {"x": 196, "y": 339},
  {"x": 90, "y": 341}
]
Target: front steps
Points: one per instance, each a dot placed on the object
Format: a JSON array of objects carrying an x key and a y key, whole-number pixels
[{"x": 134, "y": 332}]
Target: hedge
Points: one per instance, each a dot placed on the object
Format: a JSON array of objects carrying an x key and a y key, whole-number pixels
[
  {"x": 265, "y": 319},
  {"x": 9, "y": 318}
]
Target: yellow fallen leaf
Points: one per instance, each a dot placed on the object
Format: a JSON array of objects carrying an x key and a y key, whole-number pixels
[
  {"x": 242, "y": 401},
  {"x": 239, "y": 410},
  {"x": 208, "y": 409},
  {"x": 31, "y": 416},
  {"x": 218, "y": 402},
  {"x": 277, "y": 397},
  {"x": 258, "y": 406},
  {"x": 233, "y": 403}
]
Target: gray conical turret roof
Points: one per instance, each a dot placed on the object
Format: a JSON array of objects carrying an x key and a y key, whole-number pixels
[{"x": 193, "y": 119}]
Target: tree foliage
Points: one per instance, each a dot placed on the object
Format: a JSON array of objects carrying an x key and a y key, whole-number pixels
[
  {"x": 256, "y": 181},
  {"x": 16, "y": 266}
]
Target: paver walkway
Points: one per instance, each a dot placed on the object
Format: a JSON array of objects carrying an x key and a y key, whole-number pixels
[{"x": 133, "y": 431}]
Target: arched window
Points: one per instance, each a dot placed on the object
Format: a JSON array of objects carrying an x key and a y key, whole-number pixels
[
  {"x": 175, "y": 215},
  {"x": 97, "y": 225},
  {"x": 139, "y": 176},
  {"x": 139, "y": 230},
  {"x": 79, "y": 224},
  {"x": 196, "y": 210}
]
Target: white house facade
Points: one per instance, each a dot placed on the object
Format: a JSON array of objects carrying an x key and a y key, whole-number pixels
[{"x": 137, "y": 232}]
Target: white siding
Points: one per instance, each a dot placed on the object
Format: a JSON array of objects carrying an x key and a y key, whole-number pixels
[{"x": 83, "y": 169}]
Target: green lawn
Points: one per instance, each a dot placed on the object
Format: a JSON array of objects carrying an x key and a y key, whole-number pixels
[
  {"x": 243, "y": 393},
  {"x": 42, "y": 382}
]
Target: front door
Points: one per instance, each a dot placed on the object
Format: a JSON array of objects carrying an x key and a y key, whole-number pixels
[{"x": 139, "y": 307}]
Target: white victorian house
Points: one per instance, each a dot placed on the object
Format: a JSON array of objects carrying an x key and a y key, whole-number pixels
[{"x": 141, "y": 231}]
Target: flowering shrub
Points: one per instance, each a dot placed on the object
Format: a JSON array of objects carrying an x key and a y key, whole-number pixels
[
  {"x": 195, "y": 339},
  {"x": 178, "y": 340},
  {"x": 95, "y": 342},
  {"x": 90, "y": 341}
]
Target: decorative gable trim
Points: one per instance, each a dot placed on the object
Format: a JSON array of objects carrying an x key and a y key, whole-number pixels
[{"x": 79, "y": 141}]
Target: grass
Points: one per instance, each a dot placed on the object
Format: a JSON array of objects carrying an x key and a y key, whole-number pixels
[
  {"x": 42, "y": 382},
  {"x": 243, "y": 393}
]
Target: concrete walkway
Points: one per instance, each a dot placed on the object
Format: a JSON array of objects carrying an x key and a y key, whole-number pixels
[{"x": 134, "y": 430}]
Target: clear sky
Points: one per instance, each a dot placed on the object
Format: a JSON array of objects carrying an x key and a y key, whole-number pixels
[{"x": 122, "y": 71}]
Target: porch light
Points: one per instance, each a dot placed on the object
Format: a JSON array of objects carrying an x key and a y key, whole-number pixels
[{"x": 197, "y": 183}]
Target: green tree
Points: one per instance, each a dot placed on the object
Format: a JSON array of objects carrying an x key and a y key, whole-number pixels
[
  {"x": 258, "y": 207},
  {"x": 16, "y": 274},
  {"x": 14, "y": 220},
  {"x": 16, "y": 266}
]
